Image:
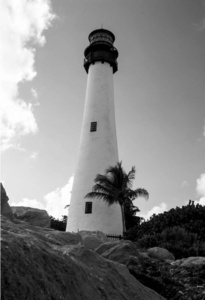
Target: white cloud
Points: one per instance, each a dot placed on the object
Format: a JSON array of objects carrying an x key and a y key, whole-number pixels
[
  {"x": 58, "y": 199},
  {"x": 201, "y": 201},
  {"x": 23, "y": 23},
  {"x": 54, "y": 202},
  {"x": 200, "y": 189},
  {"x": 34, "y": 155},
  {"x": 200, "y": 185},
  {"x": 28, "y": 203},
  {"x": 34, "y": 93},
  {"x": 155, "y": 210}
]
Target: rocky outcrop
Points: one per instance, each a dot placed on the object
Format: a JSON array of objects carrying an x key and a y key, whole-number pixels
[
  {"x": 175, "y": 280},
  {"x": 192, "y": 262},
  {"x": 43, "y": 264},
  {"x": 120, "y": 251},
  {"x": 92, "y": 239},
  {"x": 5, "y": 207},
  {"x": 34, "y": 216},
  {"x": 160, "y": 253},
  {"x": 108, "y": 245}
]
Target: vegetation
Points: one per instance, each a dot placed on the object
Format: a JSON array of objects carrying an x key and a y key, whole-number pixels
[
  {"x": 131, "y": 219},
  {"x": 180, "y": 230},
  {"x": 116, "y": 187},
  {"x": 58, "y": 224}
]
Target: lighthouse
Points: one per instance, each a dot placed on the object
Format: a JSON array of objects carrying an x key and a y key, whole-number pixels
[{"x": 98, "y": 141}]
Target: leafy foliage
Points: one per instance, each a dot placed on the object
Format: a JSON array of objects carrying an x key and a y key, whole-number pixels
[
  {"x": 59, "y": 224},
  {"x": 180, "y": 230},
  {"x": 131, "y": 219},
  {"x": 116, "y": 187}
]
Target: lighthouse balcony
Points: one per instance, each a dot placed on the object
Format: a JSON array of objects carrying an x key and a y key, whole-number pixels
[{"x": 102, "y": 56}]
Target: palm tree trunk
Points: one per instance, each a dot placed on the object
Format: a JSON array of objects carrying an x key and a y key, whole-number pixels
[{"x": 123, "y": 220}]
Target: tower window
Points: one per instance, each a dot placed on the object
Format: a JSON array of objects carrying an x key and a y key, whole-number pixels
[
  {"x": 88, "y": 207},
  {"x": 93, "y": 126}
]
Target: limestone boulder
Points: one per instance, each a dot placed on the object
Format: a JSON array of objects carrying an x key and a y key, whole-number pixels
[
  {"x": 193, "y": 262},
  {"x": 170, "y": 279},
  {"x": 108, "y": 245},
  {"x": 160, "y": 253},
  {"x": 119, "y": 251},
  {"x": 127, "y": 253},
  {"x": 92, "y": 239},
  {"x": 91, "y": 242},
  {"x": 167, "y": 277},
  {"x": 98, "y": 234},
  {"x": 36, "y": 267},
  {"x": 34, "y": 216},
  {"x": 5, "y": 207}
]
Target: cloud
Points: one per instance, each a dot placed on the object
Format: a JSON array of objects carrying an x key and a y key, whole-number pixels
[
  {"x": 201, "y": 201},
  {"x": 54, "y": 202},
  {"x": 58, "y": 199},
  {"x": 155, "y": 210},
  {"x": 34, "y": 93},
  {"x": 23, "y": 24},
  {"x": 200, "y": 189},
  {"x": 34, "y": 155},
  {"x": 28, "y": 203}
]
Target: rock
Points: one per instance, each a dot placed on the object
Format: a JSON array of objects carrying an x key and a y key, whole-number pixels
[
  {"x": 108, "y": 245},
  {"x": 177, "y": 262},
  {"x": 5, "y": 207},
  {"x": 139, "y": 265},
  {"x": 98, "y": 234},
  {"x": 33, "y": 216},
  {"x": 92, "y": 239},
  {"x": 120, "y": 251},
  {"x": 160, "y": 253},
  {"x": 91, "y": 242},
  {"x": 193, "y": 262},
  {"x": 37, "y": 267},
  {"x": 167, "y": 278}
]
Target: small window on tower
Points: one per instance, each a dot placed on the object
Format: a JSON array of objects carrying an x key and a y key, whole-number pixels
[
  {"x": 93, "y": 126},
  {"x": 88, "y": 207}
]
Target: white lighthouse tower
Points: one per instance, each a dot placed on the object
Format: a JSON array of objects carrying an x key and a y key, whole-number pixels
[{"x": 98, "y": 142}]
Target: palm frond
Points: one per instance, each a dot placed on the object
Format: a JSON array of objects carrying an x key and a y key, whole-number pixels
[
  {"x": 101, "y": 188},
  {"x": 131, "y": 177},
  {"x": 104, "y": 180},
  {"x": 102, "y": 196},
  {"x": 116, "y": 174},
  {"x": 130, "y": 194},
  {"x": 134, "y": 210},
  {"x": 142, "y": 193}
]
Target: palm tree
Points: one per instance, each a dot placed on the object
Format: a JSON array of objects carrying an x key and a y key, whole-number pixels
[
  {"x": 130, "y": 215},
  {"x": 116, "y": 187}
]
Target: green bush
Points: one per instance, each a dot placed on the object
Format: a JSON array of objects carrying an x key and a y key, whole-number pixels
[
  {"x": 58, "y": 224},
  {"x": 148, "y": 241},
  {"x": 180, "y": 230}
]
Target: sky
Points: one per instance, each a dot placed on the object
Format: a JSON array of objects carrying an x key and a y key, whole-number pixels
[{"x": 159, "y": 97}]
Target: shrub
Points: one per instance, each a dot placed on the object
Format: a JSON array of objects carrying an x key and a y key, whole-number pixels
[
  {"x": 58, "y": 224},
  {"x": 148, "y": 241},
  {"x": 180, "y": 230}
]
